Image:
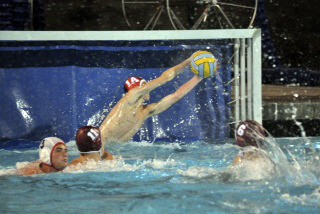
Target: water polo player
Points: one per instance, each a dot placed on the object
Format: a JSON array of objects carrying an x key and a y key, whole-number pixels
[
  {"x": 250, "y": 133},
  {"x": 250, "y": 136},
  {"x": 53, "y": 157},
  {"x": 88, "y": 140},
  {"x": 127, "y": 117}
]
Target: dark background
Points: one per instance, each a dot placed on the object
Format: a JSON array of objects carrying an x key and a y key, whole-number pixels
[
  {"x": 291, "y": 27},
  {"x": 295, "y": 32}
]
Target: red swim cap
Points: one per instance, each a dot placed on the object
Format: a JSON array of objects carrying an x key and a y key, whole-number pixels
[
  {"x": 250, "y": 133},
  {"x": 88, "y": 139},
  {"x": 133, "y": 82}
]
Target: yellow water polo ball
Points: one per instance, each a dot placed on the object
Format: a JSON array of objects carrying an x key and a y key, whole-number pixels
[{"x": 203, "y": 64}]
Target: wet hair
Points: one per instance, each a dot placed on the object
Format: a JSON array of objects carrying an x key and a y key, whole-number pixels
[
  {"x": 88, "y": 139},
  {"x": 250, "y": 133},
  {"x": 133, "y": 82}
]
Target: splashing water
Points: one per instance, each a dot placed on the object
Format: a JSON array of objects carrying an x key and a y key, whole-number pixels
[
  {"x": 163, "y": 177},
  {"x": 294, "y": 171}
]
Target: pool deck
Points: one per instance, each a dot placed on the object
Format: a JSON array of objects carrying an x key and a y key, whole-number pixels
[{"x": 290, "y": 102}]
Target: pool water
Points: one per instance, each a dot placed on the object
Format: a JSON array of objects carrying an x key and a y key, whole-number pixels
[{"x": 167, "y": 178}]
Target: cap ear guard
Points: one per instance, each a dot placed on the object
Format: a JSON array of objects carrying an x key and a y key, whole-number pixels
[
  {"x": 93, "y": 134},
  {"x": 142, "y": 81},
  {"x": 241, "y": 130},
  {"x": 45, "y": 153}
]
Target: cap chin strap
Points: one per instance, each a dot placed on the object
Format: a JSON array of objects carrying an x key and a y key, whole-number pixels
[
  {"x": 91, "y": 152},
  {"x": 101, "y": 152}
]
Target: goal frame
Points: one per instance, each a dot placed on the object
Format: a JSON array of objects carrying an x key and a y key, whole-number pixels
[{"x": 247, "y": 68}]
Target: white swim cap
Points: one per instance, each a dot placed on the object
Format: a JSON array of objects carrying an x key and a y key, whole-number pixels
[{"x": 46, "y": 147}]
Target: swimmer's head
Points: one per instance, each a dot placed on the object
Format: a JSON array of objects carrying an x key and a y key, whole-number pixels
[
  {"x": 133, "y": 82},
  {"x": 250, "y": 133},
  {"x": 88, "y": 139},
  {"x": 47, "y": 152}
]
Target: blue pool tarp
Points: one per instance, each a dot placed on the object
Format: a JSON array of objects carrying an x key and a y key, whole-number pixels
[{"x": 51, "y": 88}]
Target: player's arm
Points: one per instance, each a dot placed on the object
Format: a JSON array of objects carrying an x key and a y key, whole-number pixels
[
  {"x": 135, "y": 94},
  {"x": 30, "y": 169},
  {"x": 165, "y": 77},
  {"x": 168, "y": 101}
]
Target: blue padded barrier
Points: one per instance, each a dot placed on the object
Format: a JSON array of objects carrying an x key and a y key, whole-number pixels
[{"x": 51, "y": 88}]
